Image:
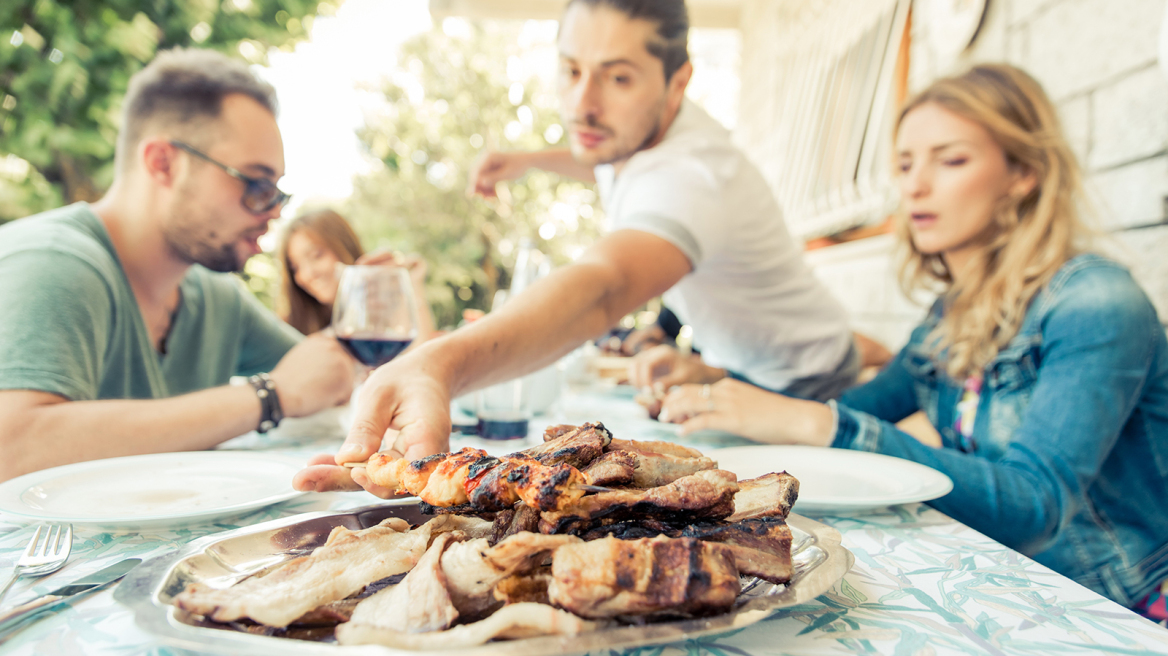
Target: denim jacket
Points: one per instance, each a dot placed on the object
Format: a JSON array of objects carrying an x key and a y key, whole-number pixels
[{"x": 1069, "y": 458}]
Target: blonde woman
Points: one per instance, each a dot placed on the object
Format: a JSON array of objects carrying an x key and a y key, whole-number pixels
[
  {"x": 310, "y": 249},
  {"x": 1043, "y": 367}
]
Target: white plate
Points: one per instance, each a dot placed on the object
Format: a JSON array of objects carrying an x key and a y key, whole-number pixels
[
  {"x": 154, "y": 490},
  {"x": 833, "y": 480}
]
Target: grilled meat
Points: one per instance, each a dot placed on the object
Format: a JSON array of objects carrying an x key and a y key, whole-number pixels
[
  {"x": 487, "y": 483},
  {"x": 661, "y": 576},
  {"x": 515, "y": 621},
  {"x": 532, "y": 587},
  {"x": 514, "y": 520},
  {"x": 612, "y": 468},
  {"x": 419, "y": 603},
  {"x": 573, "y": 447},
  {"x": 472, "y": 568},
  {"x": 346, "y": 563},
  {"x": 771, "y": 495},
  {"x": 706, "y": 494},
  {"x": 761, "y": 547}
]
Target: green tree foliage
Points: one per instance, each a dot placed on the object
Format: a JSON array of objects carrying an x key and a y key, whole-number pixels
[
  {"x": 65, "y": 65},
  {"x": 451, "y": 99}
]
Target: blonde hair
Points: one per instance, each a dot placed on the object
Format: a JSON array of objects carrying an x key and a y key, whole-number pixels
[
  {"x": 1030, "y": 237},
  {"x": 295, "y": 305}
]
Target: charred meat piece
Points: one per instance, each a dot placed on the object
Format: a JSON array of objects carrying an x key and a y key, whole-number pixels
[
  {"x": 472, "y": 568},
  {"x": 771, "y": 495},
  {"x": 761, "y": 546},
  {"x": 612, "y": 468},
  {"x": 576, "y": 448},
  {"x": 650, "y": 447},
  {"x": 659, "y": 577},
  {"x": 532, "y": 587},
  {"x": 513, "y": 479},
  {"x": 400, "y": 475},
  {"x": 470, "y": 476},
  {"x": 514, "y": 520},
  {"x": 707, "y": 494}
]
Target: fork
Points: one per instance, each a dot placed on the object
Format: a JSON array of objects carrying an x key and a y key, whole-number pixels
[{"x": 49, "y": 557}]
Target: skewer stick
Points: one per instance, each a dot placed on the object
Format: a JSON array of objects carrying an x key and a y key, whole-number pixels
[{"x": 350, "y": 465}]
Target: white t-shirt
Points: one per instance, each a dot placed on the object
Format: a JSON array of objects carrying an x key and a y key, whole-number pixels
[{"x": 755, "y": 307}]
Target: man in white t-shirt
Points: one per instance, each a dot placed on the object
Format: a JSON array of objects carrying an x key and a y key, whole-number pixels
[{"x": 691, "y": 218}]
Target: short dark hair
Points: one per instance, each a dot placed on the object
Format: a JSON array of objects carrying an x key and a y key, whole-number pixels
[
  {"x": 185, "y": 86},
  {"x": 672, "y": 20}
]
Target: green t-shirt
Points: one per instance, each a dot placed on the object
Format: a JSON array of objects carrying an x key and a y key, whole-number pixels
[{"x": 70, "y": 325}]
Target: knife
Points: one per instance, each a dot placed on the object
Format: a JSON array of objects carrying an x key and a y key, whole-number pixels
[{"x": 13, "y": 616}]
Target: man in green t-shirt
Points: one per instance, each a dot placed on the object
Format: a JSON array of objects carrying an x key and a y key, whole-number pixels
[{"x": 120, "y": 325}]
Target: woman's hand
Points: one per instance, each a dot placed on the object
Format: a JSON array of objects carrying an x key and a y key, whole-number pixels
[
  {"x": 743, "y": 409},
  {"x": 664, "y": 366}
]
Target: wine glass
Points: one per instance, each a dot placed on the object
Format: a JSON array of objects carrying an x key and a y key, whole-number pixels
[{"x": 374, "y": 316}]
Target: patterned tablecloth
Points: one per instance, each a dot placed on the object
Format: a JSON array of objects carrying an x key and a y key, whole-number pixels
[{"x": 922, "y": 582}]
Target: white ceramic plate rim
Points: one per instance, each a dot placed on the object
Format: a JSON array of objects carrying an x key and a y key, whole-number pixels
[
  {"x": 931, "y": 484},
  {"x": 13, "y": 507}
]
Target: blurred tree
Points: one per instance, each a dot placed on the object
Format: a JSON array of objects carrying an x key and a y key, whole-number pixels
[
  {"x": 64, "y": 67},
  {"x": 454, "y": 95}
]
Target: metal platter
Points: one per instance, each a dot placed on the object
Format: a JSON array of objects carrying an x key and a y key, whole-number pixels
[{"x": 224, "y": 558}]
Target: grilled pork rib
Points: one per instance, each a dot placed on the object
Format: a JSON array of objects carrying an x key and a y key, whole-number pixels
[{"x": 666, "y": 577}]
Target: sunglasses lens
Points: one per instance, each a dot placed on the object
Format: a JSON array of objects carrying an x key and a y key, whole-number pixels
[{"x": 262, "y": 196}]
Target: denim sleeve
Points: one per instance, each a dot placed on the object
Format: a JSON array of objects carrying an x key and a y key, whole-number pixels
[
  {"x": 889, "y": 396},
  {"x": 1097, "y": 343}
]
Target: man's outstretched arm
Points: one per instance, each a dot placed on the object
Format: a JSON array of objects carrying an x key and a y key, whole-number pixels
[
  {"x": 494, "y": 167},
  {"x": 406, "y": 403}
]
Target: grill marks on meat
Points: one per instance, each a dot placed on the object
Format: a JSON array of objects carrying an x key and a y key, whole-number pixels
[
  {"x": 512, "y": 521},
  {"x": 525, "y": 479},
  {"x": 473, "y": 568},
  {"x": 572, "y": 447},
  {"x": 470, "y": 476},
  {"x": 706, "y": 494},
  {"x": 612, "y": 468},
  {"x": 525, "y": 620},
  {"x": 655, "y": 577},
  {"x": 761, "y": 547},
  {"x": 340, "y": 568},
  {"x": 771, "y": 495}
]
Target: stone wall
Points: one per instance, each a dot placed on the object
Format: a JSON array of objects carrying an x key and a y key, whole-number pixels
[{"x": 1097, "y": 60}]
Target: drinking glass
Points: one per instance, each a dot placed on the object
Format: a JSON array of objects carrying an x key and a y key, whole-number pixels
[
  {"x": 504, "y": 410},
  {"x": 374, "y": 316}
]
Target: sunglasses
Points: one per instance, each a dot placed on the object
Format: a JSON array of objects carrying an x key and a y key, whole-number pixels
[{"x": 260, "y": 195}]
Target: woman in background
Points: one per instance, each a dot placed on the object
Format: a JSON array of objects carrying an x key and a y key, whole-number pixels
[
  {"x": 1043, "y": 367},
  {"x": 311, "y": 247}
]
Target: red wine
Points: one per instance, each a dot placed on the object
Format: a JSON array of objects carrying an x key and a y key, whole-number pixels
[
  {"x": 506, "y": 426},
  {"x": 373, "y": 350}
]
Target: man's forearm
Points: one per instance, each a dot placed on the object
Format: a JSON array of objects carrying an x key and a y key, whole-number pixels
[
  {"x": 560, "y": 160},
  {"x": 60, "y": 433},
  {"x": 531, "y": 331}
]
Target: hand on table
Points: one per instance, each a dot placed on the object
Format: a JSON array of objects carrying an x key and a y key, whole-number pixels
[
  {"x": 742, "y": 409},
  {"x": 402, "y": 406},
  {"x": 664, "y": 367}
]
